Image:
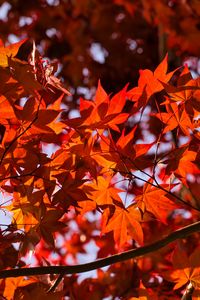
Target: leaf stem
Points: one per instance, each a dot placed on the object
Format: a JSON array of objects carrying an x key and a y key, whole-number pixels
[
  {"x": 56, "y": 283},
  {"x": 188, "y": 292}
]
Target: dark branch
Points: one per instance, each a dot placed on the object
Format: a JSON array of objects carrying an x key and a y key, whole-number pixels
[{"x": 178, "y": 234}]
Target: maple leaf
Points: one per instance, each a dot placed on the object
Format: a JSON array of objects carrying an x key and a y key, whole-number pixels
[
  {"x": 102, "y": 112},
  {"x": 123, "y": 155},
  {"x": 126, "y": 146},
  {"x": 71, "y": 191},
  {"x": 23, "y": 72},
  {"x": 36, "y": 290},
  {"x": 185, "y": 89},
  {"x": 77, "y": 154},
  {"x": 43, "y": 120},
  {"x": 23, "y": 211},
  {"x": 11, "y": 285},
  {"x": 125, "y": 224},
  {"x": 181, "y": 162},
  {"x": 49, "y": 223},
  {"x": 150, "y": 82},
  {"x": 104, "y": 191},
  {"x": 10, "y": 88},
  {"x": 23, "y": 217},
  {"x": 186, "y": 94},
  {"x": 176, "y": 116},
  {"x": 9, "y": 51},
  {"x": 6, "y": 110},
  {"x": 186, "y": 269},
  {"x": 29, "y": 241},
  {"x": 154, "y": 200}
]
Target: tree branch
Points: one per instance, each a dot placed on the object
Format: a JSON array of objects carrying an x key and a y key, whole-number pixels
[{"x": 81, "y": 268}]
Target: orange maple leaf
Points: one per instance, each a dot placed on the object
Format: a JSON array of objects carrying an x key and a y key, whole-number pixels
[
  {"x": 153, "y": 199},
  {"x": 102, "y": 112},
  {"x": 186, "y": 269},
  {"x": 181, "y": 162},
  {"x": 11, "y": 284},
  {"x": 176, "y": 116},
  {"x": 104, "y": 191},
  {"x": 123, "y": 155},
  {"x": 125, "y": 224},
  {"x": 150, "y": 82},
  {"x": 9, "y": 51},
  {"x": 185, "y": 89}
]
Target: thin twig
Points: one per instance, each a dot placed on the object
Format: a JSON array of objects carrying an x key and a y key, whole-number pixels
[
  {"x": 188, "y": 292},
  {"x": 56, "y": 283},
  {"x": 132, "y": 175},
  {"x": 159, "y": 187}
]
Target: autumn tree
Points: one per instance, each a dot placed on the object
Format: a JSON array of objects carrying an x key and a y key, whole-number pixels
[{"x": 109, "y": 179}]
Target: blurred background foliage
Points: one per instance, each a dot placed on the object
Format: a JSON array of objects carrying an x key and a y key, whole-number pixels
[{"x": 105, "y": 39}]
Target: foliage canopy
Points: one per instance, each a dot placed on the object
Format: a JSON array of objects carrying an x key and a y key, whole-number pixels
[{"x": 117, "y": 182}]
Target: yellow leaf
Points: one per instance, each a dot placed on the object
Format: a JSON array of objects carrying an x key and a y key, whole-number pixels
[{"x": 9, "y": 51}]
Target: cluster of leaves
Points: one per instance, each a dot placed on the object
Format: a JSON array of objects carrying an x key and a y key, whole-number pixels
[{"x": 122, "y": 174}]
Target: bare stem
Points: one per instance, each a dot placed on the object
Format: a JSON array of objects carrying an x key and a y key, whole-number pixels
[
  {"x": 56, "y": 283},
  {"x": 188, "y": 292}
]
